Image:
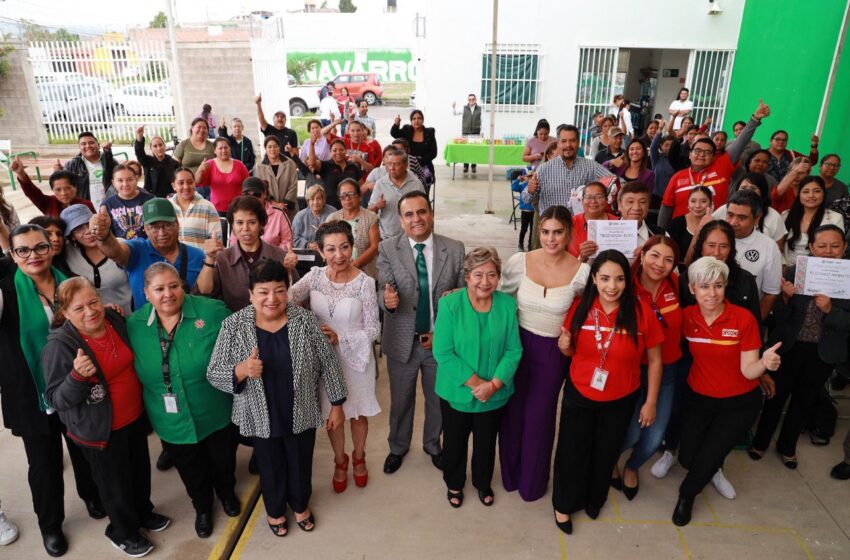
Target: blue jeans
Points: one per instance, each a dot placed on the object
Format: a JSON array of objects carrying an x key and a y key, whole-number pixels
[{"x": 645, "y": 441}]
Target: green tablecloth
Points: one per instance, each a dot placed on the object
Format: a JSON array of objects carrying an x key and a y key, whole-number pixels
[{"x": 480, "y": 153}]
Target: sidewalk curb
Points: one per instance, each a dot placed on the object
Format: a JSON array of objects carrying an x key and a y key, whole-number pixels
[{"x": 232, "y": 533}]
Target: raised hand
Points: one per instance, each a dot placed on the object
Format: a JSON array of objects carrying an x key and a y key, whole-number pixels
[
  {"x": 381, "y": 204},
  {"x": 17, "y": 166},
  {"x": 83, "y": 364},
  {"x": 252, "y": 366},
  {"x": 290, "y": 261},
  {"x": 587, "y": 249},
  {"x": 106, "y": 146},
  {"x": 397, "y": 120},
  {"x": 762, "y": 111},
  {"x": 140, "y": 132},
  {"x": 390, "y": 297},
  {"x": 815, "y": 140},
  {"x": 57, "y": 166},
  {"x": 771, "y": 359},
  {"x": 212, "y": 247},
  {"x": 533, "y": 184},
  {"x": 259, "y": 99},
  {"x": 100, "y": 224}
]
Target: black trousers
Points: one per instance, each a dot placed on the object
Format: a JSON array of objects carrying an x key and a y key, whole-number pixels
[
  {"x": 286, "y": 470},
  {"x": 800, "y": 377},
  {"x": 207, "y": 466},
  {"x": 589, "y": 438},
  {"x": 122, "y": 472},
  {"x": 711, "y": 428},
  {"x": 457, "y": 426},
  {"x": 525, "y": 221},
  {"x": 44, "y": 456}
]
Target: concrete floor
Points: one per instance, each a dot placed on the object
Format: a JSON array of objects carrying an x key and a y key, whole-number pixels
[{"x": 778, "y": 513}]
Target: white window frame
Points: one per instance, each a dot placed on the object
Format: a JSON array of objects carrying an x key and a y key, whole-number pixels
[{"x": 507, "y": 49}]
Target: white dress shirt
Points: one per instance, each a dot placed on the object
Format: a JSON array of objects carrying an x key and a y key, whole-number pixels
[{"x": 428, "y": 253}]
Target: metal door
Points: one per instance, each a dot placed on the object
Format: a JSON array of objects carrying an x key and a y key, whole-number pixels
[
  {"x": 709, "y": 74},
  {"x": 595, "y": 88}
]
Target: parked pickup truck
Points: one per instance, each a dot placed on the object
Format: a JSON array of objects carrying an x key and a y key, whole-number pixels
[{"x": 302, "y": 98}]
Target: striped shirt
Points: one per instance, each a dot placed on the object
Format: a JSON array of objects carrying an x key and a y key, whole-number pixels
[
  {"x": 199, "y": 223},
  {"x": 557, "y": 181}
]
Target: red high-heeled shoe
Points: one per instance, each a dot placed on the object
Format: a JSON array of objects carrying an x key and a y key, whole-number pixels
[
  {"x": 340, "y": 485},
  {"x": 360, "y": 480}
]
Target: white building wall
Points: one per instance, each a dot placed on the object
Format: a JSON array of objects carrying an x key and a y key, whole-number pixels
[
  {"x": 457, "y": 32},
  {"x": 332, "y": 32}
]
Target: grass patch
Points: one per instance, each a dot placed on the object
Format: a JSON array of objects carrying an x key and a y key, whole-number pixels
[{"x": 398, "y": 91}]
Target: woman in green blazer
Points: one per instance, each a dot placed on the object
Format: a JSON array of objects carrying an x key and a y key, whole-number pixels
[
  {"x": 172, "y": 338},
  {"x": 477, "y": 349}
]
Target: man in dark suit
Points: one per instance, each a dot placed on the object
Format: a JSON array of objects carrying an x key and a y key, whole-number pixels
[{"x": 415, "y": 269}]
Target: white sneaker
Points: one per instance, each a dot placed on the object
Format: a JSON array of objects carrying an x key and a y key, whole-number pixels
[
  {"x": 723, "y": 486},
  {"x": 663, "y": 465},
  {"x": 8, "y": 530}
]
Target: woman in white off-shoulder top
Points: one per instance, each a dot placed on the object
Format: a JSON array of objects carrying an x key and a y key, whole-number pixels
[{"x": 544, "y": 283}]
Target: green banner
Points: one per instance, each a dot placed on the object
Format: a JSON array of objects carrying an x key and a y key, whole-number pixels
[{"x": 318, "y": 66}]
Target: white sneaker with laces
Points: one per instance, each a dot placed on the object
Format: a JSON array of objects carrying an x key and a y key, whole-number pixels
[
  {"x": 8, "y": 530},
  {"x": 723, "y": 486},
  {"x": 663, "y": 465}
]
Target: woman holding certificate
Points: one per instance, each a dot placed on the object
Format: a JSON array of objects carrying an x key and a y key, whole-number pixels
[
  {"x": 607, "y": 333},
  {"x": 805, "y": 216},
  {"x": 594, "y": 199},
  {"x": 813, "y": 331}
]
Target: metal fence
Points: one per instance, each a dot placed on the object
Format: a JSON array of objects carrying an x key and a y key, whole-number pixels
[
  {"x": 518, "y": 77},
  {"x": 709, "y": 73},
  {"x": 109, "y": 88},
  {"x": 595, "y": 88}
]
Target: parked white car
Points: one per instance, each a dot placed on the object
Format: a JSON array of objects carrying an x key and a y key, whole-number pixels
[
  {"x": 145, "y": 99},
  {"x": 88, "y": 101}
]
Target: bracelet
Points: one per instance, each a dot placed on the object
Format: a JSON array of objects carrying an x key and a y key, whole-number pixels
[
  {"x": 209, "y": 265},
  {"x": 493, "y": 385}
]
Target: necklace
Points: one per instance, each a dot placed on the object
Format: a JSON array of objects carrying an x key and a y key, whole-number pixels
[{"x": 109, "y": 347}]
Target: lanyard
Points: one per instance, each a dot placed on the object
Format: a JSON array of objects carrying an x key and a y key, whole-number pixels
[
  {"x": 691, "y": 177},
  {"x": 601, "y": 348},
  {"x": 165, "y": 342}
]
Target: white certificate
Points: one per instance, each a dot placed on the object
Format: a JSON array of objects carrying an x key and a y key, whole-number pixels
[
  {"x": 830, "y": 277},
  {"x": 614, "y": 234}
]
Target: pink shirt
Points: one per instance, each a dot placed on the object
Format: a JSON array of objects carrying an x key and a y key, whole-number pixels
[
  {"x": 277, "y": 231},
  {"x": 224, "y": 187}
]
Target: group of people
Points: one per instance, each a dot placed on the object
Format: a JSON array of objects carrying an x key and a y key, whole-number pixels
[{"x": 126, "y": 310}]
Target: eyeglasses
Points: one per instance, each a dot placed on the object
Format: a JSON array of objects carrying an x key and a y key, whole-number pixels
[
  {"x": 659, "y": 315},
  {"x": 781, "y": 140},
  {"x": 24, "y": 252},
  {"x": 699, "y": 152},
  {"x": 348, "y": 195},
  {"x": 593, "y": 197},
  {"x": 160, "y": 226},
  {"x": 831, "y": 165}
]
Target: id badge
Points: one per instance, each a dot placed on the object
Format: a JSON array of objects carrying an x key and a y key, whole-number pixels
[
  {"x": 170, "y": 400},
  {"x": 600, "y": 377}
]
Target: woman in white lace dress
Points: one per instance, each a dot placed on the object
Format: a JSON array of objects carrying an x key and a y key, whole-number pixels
[{"x": 344, "y": 299}]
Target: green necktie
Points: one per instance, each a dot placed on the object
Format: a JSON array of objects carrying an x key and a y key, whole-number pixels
[{"x": 423, "y": 306}]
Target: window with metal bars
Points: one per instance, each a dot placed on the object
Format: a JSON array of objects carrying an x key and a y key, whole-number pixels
[{"x": 517, "y": 77}]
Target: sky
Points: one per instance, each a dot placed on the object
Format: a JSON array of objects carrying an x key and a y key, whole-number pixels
[{"x": 99, "y": 16}]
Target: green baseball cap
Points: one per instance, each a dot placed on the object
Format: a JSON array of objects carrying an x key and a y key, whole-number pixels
[{"x": 158, "y": 210}]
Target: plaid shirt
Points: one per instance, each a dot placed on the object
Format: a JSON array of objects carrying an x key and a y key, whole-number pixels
[
  {"x": 199, "y": 223},
  {"x": 557, "y": 181}
]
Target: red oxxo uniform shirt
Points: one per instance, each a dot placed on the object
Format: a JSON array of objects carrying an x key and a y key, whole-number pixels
[
  {"x": 667, "y": 304},
  {"x": 716, "y": 371},
  {"x": 624, "y": 356},
  {"x": 716, "y": 177}
]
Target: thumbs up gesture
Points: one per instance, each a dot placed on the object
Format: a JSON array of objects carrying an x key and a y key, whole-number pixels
[
  {"x": 17, "y": 166},
  {"x": 771, "y": 359},
  {"x": 57, "y": 166},
  {"x": 212, "y": 247},
  {"x": 252, "y": 366},
  {"x": 100, "y": 224},
  {"x": 83, "y": 364},
  {"x": 390, "y": 297},
  {"x": 397, "y": 120}
]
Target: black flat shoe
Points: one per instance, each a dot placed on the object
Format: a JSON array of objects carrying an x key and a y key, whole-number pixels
[
  {"x": 566, "y": 527},
  {"x": 483, "y": 495},
  {"x": 95, "y": 509},
  {"x": 755, "y": 454},
  {"x": 617, "y": 483},
  {"x": 310, "y": 520},
  {"x": 55, "y": 543},
  {"x": 682, "y": 513},
  {"x": 455, "y": 496},
  {"x": 437, "y": 460},
  {"x": 231, "y": 506},
  {"x": 629, "y": 492},
  {"x": 203, "y": 524},
  {"x": 164, "y": 462},
  {"x": 789, "y": 462},
  {"x": 592, "y": 512},
  {"x": 276, "y": 527},
  {"x": 392, "y": 463},
  {"x": 841, "y": 471}
]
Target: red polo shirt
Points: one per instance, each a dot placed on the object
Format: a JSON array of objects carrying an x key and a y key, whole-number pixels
[
  {"x": 716, "y": 177},
  {"x": 578, "y": 234},
  {"x": 667, "y": 305},
  {"x": 623, "y": 360},
  {"x": 370, "y": 151},
  {"x": 716, "y": 371}
]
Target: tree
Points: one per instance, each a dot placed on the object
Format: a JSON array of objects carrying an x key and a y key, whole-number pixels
[
  {"x": 5, "y": 50},
  {"x": 159, "y": 21},
  {"x": 347, "y": 7},
  {"x": 299, "y": 64},
  {"x": 36, "y": 32}
]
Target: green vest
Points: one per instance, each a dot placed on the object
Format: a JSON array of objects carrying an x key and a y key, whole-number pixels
[{"x": 471, "y": 123}]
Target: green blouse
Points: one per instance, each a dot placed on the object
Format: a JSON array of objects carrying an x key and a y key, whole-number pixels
[
  {"x": 201, "y": 409},
  {"x": 467, "y": 341}
]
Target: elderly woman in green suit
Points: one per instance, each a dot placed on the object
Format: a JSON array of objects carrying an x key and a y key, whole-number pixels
[
  {"x": 173, "y": 336},
  {"x": 477, "y": 349}
]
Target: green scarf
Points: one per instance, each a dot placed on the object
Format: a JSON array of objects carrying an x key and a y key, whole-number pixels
[{"x": 34, "y": 327}]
